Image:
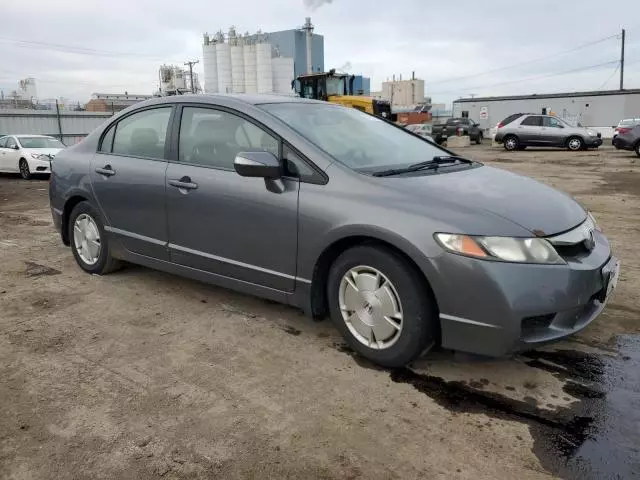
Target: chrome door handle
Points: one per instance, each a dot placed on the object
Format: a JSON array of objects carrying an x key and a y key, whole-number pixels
[
  {"x": 107, "y": 171},
  {"x": 184, "y": 183}
]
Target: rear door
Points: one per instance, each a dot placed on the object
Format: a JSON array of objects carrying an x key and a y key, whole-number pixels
[
  {"x": 237, "y": 227},
  {"x": 530, "y": 131},
  {"x": 4, "y": 164},
  {"x": 128, "y": 179}
]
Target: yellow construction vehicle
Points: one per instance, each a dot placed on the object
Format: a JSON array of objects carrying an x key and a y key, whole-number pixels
[{"x": 338, "y": 88}]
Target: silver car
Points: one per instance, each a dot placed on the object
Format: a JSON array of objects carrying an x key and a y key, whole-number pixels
[
  {"x": 404, "y": 244},
  {"x": 522, "y": 130}
]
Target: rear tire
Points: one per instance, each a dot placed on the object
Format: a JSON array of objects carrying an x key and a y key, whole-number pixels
[
  {"x": 511, "y": 143},
  {"x": 23, "y": 166},
  {"x": 373, "y": 289},
  {"x": 637, "y": 149},
  {"x": 575, "y": 144},
  {"x": 479, "y": 139},
  {"x": 89, "y": 241}
]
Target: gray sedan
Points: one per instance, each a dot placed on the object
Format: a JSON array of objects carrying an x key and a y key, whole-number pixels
[{"x": 404, "y": 244}]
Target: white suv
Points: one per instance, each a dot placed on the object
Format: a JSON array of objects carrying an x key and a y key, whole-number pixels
[{"x": 28, "y": 154}]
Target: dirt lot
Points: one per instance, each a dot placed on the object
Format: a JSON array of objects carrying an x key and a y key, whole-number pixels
[{"x": 145, "y": 375}]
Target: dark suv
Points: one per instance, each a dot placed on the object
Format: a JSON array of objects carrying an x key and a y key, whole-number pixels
[
  {"x": 628, "y": 139},
  {"x": 522, "y": 130}
]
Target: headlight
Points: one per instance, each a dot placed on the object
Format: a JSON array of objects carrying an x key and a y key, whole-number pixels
[
  {"x": 593, "y": 224},
  {"x": 37, "y": 156},
  {"x": 592, "y": 133},
  {"x": 506, "y": 249}
]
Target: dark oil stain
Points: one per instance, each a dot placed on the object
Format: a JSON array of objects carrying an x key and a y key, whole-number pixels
[
  {"x": 291, "y": 330},
  {"x": 37, "y": 270},
  {"x": 323, "y": 335},
  {"x": 510, "y": 388},
  {"x": 595, "y": 436}
]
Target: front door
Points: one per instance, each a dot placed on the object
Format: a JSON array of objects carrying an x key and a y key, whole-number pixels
[
  {"x": 222, "y": 223},
  {"x": 128, "y": 179},
  {"x": 553, "y": 132},
  {"x": 10, "y": 156}
]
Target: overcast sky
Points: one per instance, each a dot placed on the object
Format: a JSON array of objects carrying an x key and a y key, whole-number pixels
[{"x": 119, "y": 44}]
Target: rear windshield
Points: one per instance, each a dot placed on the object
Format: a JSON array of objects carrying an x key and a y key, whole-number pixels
[
  {"x": 510, "y": 118},
  {"x": 40, "y": 142},
  {"x": 629, "y": 123}
]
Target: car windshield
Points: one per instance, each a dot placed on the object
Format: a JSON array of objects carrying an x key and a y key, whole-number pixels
[
  {"x": 358, "y": 140},
  {"x": 40, "y": 142}
]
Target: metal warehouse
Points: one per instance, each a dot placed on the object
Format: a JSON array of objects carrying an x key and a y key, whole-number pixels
[{"x": 594, "y": 109}]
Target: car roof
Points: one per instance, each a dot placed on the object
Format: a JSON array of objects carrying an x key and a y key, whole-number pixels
[
  {"x": 22, "y": 135},
  {"x": 241, "y": 98}
]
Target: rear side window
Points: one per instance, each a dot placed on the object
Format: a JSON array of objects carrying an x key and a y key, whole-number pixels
[
  {"x": 142, "y": 134},
  {"x": 510, "y": 119},
  {"x": 11, "y": 143},
  {"x": 532, "y": 121}
]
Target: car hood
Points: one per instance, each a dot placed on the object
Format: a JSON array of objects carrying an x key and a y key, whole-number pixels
[
  {"x": 538, "y": 208},
  {"x": 43, "y": 151}
]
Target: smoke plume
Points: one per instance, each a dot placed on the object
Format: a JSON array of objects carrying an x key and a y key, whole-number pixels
[{"x": 315, "y": 4}]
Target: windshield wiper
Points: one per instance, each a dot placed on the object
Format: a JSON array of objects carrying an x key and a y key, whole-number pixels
[{"x": 432, "y": 164}]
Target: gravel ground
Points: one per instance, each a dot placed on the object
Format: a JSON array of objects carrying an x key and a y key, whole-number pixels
[{"x": 142, "y": 375}]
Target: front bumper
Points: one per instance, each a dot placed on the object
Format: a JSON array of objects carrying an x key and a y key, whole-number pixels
[
  {"x": 39, "y": 166},
  {"x": 621, "y": 143},
  {"x": 497, "y": 308},
  {"x": 593, "y": 142}
]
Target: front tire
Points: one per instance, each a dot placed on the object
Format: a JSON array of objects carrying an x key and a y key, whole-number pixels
[
  {"x": 511, "y": 143},
  {"x": 575, "y": 144},
  {"x": 23, "y": 166},
  {"x": 637, "y": 149},
  {"x": 479, "y": 139},
  {"x": 381, "y": 305},
  {"x": 89, "y": 241}
]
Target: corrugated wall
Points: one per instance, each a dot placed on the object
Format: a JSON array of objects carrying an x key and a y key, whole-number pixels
[{"x": 73, "y": 126}]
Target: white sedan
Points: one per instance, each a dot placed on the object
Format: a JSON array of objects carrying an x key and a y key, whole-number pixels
[{"x": 28, "y": 154}]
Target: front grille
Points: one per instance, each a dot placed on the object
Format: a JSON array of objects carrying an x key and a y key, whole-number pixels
[{"x": 571, "y": 251}]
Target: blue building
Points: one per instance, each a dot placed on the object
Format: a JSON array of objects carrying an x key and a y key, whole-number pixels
[
  {"x": 362, "y": 85},
  {"x": 293, "y": 43}
]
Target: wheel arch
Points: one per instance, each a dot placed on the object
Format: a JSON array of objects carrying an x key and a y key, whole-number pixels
[
  {"x": 69, "y": 205},
  {"x": 574, "y": 135},
  {"x": 339, "y": 244}
]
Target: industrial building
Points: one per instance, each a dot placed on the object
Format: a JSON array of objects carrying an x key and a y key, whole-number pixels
[
  {"x": 262, "y": 62},
  {"x": 598, "y": 109},
  {"x": 177, "y": 80},
  {"x": 402, "y": 93},
  {"x": 109, "y": 102}
]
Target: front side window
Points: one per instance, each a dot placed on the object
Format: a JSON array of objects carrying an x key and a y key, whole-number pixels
[
  {"x": 213, "y": 138},
  {"x": 360, "y": 141},
  {"x": 532, "y": 121},
  {"x": 552, "y": 122},
  {"x": 142, "y": 134},
  {"x": 40, "y": 142}
]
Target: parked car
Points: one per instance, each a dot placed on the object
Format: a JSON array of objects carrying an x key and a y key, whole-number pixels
[
  {"x": 405, "y": 244},
  {"x": 466, "y": 126},
  {"x": 28, "y": 154},
  {"x": 422, "y": 129},
  {"x": 522, "y": 130},
  {"x": 628, "y": 138},
  {"x": 623, "y": 127}
]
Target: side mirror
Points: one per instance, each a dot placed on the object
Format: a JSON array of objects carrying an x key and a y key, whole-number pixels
[
  {"x": 16, "y": 147},
  {"x": 257, "y": 164}
]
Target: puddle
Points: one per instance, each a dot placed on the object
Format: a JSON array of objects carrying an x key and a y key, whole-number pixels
[{"x": 596, "y": 436}]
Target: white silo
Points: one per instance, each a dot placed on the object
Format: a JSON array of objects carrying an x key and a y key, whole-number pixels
[
  {"x": 282, "y": 68},
  {"x": 237, "y": 62},
  {"x": 250, "y": 72},
  {"x": 166, "y": 79},
  {"x": 263, "y": 68},
  {"x": 223, "y": 61},
  {"x": 210, "y": 65}
]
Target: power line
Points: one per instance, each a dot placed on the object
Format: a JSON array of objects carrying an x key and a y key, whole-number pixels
[
  {"x": 546, "y": 57},
  {"x": 78, "y": 50},
  {"x": 580, "y": 69},
  {"x": 615, "y": 70}
]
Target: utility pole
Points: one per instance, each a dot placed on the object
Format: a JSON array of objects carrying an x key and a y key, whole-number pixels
[
  {"x": 191, "y": 64},
  {"x": 622, "y": 62}
]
